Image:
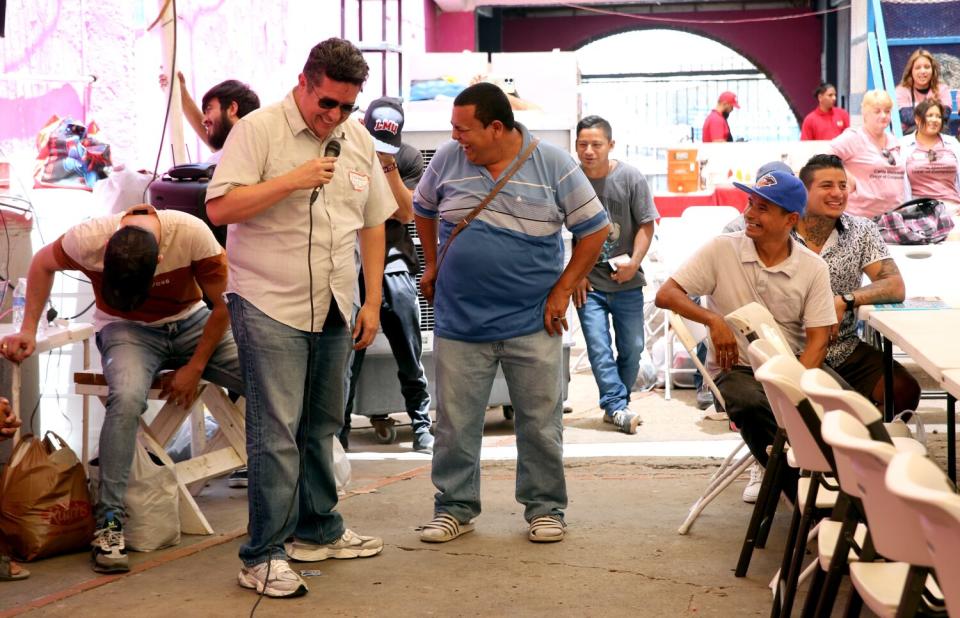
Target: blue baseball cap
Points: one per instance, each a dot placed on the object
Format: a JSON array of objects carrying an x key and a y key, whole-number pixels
[
  {"x": 773, "y": 166},
  {"x": 780, "y": 188}
]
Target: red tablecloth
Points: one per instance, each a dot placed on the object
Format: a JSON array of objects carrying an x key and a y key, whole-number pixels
[{"x": 673, "y": 204}]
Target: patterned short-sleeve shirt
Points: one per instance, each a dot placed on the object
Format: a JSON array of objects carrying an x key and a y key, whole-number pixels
[{"x": 851, "y": 247}]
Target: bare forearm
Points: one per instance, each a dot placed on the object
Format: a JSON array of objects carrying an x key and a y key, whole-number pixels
[
  {"x": 886, "y": 285},
  {"x": 243, "y": 203},
  {"x": 816, "y": 348},
  {"x": 427, "y": 232},
  {"x": 585, "y": 254},
  {"x": 373, "y": 249},
  {"x": 217, "y": 324},
  {"x": 641, "y": 243},
  {"x": 194, "y": 115},
  {"x": 39, "y": 283},
  {"x": 404, "y": 197},
  {"x": 674, "y": 298}
]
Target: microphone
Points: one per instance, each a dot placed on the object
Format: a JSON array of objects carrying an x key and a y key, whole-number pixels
[{"x": 332, "y": 150}]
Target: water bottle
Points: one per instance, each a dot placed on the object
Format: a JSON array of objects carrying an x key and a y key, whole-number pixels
[{"x": 19, "y": 302}]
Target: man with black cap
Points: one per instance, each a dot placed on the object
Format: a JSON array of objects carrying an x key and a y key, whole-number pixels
[
  {"x": 764, "y": 264},
  {"x": 148, "y": 269},
  {"x": 400, "y": 309}
]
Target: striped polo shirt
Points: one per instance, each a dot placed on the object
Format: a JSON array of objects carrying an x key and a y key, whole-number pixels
[
  {"x": 189, "y": 251},
  {"x": 496, "y": 276}
]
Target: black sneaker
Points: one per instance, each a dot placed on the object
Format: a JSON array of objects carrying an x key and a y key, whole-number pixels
[
  {"x": 109, "y": 552},
  {"x": 423, "y": 442},
  {"x": 237, "y": 478}
]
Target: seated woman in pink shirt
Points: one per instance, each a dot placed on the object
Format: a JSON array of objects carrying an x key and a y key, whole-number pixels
[
  {"x": 871, "y": 156},
  {"x": 920, "y": 81},
  {"x": 932, "y": 159}
]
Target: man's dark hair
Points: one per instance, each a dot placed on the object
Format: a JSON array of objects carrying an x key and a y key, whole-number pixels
[
  {"x": 129, "y": 263},
  {"x": 337, "y": 59},
  {"x": 232, "y": 91},
  {"x": 593, "y": 122},
  {"x": 490, "y": 103},
  {"x": 817, "y": 163},
  {"x": 823, "y": 88}
]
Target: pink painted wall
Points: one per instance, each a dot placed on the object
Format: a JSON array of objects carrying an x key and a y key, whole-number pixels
[
  {"x": 261, "y": 42},
  {"x": 787, "y": 51},
  {"x": 453, "y": 32}
]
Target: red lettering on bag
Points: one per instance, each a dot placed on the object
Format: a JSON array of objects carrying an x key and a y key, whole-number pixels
[{"x": 60, "y": 515}]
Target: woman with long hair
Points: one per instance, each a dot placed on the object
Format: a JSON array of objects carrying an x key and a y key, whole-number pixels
[{"x": 921, "y": 81}]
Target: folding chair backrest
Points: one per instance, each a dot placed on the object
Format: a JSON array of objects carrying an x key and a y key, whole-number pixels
[
  {"x": 780, "y": 377},
  {"x": 924, "y": 487},
  {"x": 862, "y": 467},
  {"x": 754, "y": 321},
  {"x": 690, "y": 334},
  {"x": 760, "y": 351},
  {"x": 823, "y": 389}
]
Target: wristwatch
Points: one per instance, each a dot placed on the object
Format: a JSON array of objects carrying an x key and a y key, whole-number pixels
[{"x": 848, "y": 298}]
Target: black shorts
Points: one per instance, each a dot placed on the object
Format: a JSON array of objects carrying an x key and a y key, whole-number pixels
[{"x": 863, "y": 369}]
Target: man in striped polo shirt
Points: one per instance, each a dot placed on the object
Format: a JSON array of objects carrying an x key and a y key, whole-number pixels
[{"x": 501, "y": 295}]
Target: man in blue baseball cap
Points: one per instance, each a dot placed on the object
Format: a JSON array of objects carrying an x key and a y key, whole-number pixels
[{"x": 762, "y": 263}]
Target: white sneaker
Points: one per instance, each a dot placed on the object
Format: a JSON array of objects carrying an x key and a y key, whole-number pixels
[
  {"x": 752, "y": 490},
  {"x": 624, "y": 420},
  {"x": 283, "y": 582},
  {"x": 350, "y": 545}
]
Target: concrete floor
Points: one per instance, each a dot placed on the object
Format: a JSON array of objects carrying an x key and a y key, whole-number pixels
[{"x": 622, "y": 555}]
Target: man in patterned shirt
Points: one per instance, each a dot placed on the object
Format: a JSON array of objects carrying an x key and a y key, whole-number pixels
[{"x": 851, "y": 246}]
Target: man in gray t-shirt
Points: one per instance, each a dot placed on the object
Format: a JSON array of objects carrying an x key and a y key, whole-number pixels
[{"x": 614, "y": 287}]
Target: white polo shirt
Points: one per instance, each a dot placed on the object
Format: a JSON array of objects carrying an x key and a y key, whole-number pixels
[
  {"x": 268, "y": 253},
  {"x": 728, "y": 271}
]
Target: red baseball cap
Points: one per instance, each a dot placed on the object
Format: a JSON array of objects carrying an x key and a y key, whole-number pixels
[{"x": 728, "y": 97}]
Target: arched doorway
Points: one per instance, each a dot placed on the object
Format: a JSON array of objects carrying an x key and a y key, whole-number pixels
[{"x": 657, "y": 86}]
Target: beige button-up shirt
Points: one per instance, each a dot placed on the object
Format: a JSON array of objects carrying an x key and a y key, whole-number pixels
[{"x": 267, "y": 253}]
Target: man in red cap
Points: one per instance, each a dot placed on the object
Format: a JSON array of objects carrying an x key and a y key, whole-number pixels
[{"x": 715, "y": 127}]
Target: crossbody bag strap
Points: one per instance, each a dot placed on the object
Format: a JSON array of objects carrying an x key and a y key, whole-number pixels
[{"x": 493, "y": 193}]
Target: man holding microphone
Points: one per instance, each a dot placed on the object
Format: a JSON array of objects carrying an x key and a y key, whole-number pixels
[{"x": 294, "y": 217}]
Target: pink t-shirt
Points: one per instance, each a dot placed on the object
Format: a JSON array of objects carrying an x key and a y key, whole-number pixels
[
  {"x": 937, "y": 178},
  {"x": 904, "y": 100},
  {"x": 879, "y": 183}
]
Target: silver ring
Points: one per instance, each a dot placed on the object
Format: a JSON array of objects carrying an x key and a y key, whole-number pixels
[{"x": 554, "y": 319}]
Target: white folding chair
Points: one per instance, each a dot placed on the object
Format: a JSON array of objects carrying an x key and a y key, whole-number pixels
[
  {"x": 754, "y": 321},
  {"x": 927, "y": 490},
  {"x": 887, "y": 588},
  {"x": 735, "y": 463}
]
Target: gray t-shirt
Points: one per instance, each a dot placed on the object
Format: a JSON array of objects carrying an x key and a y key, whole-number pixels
[{"x": 628, "y": 201}]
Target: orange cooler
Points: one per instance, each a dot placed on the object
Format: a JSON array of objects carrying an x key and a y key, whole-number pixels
[{"x": 683, "y": 171}]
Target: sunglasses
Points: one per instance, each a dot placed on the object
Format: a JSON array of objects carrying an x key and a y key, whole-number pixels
[
  {"x": 345, "y": 108},
  {"x": 889, "y": 156}
]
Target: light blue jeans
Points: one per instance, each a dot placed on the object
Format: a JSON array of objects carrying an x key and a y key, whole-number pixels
[
  {"x": 294, "y": 407},
  {"x": 465, "y": 372},
  {"x": 131, "y": 355},
  {"x": 614, "y": 376}
]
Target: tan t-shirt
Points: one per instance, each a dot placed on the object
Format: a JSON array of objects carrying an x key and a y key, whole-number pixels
[
  {"x": 268, "y": 252},
  {"x": 190, "y": 254},
  {"x": 728, "y": 271}
]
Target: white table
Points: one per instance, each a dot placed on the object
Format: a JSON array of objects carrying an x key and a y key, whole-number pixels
[
  {"x": 929, "y": 337},
  {"x": 54, "y": 336}
]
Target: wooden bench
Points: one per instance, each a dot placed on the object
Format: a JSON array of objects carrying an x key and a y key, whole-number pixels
[{"x": 223, "y": 453}]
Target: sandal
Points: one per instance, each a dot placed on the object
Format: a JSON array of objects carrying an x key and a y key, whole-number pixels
[
  {"x": 11, "y": 571},
  {"x": 444, "y": 527},
  {"x": 546, "y": 529}
]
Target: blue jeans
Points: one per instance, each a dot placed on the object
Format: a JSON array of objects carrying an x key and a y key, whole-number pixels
[
  {"x": 400, "y": 323},
  {"x": 132, "y": 354},
  {"x": 615, "y": 377},
  {"x": 293, "y": 411},
  {"x": 465, "y": 372}
]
